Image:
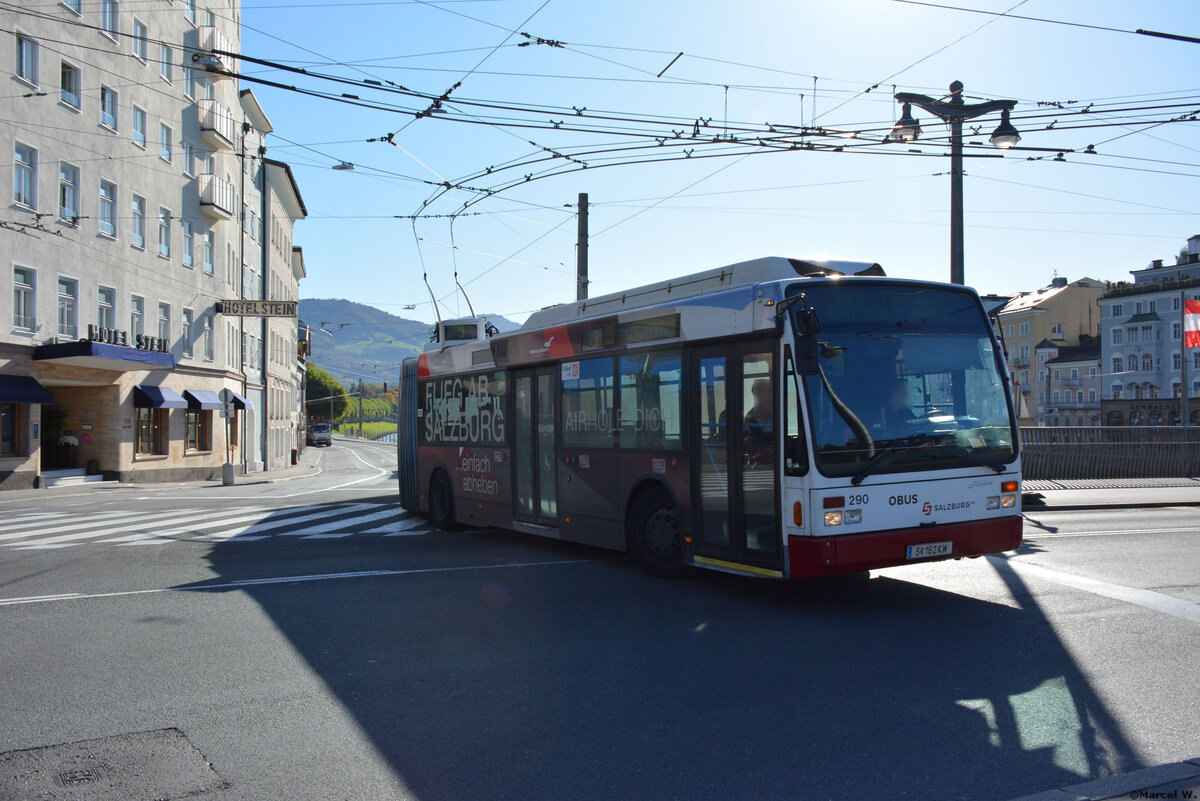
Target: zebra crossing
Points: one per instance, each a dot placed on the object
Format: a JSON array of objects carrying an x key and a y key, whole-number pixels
[{"x": 237, "y": 524}]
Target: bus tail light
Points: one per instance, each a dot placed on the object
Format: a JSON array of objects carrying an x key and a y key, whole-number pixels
[
  {"x": 834, "y": 501},
  {"x": 798, "y": 513}
]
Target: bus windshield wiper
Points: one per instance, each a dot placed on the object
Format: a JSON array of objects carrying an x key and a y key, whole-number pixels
[
  {"x": 870, "y": 466},
  {"x": 996, "y": 466}
]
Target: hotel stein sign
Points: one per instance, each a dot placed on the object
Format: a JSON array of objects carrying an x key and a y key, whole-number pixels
[
  {"x": 114, "y": 336},
  {"x": 257, "y": 308}
]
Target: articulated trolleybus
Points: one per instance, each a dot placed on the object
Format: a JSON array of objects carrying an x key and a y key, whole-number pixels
[{"x": 777, "y": 417}]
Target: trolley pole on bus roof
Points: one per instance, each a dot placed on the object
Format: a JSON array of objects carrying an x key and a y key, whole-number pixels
[{"x": 581, "y": 250}]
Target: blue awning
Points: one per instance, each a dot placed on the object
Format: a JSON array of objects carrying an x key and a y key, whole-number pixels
[
  {"x": 23, "y": 389},
  {"x": 102, "y": 356},
  {"x": 202, "y": 399},
  {"x": 239, "y": 402},
  {"x": 152, "y": 397}
]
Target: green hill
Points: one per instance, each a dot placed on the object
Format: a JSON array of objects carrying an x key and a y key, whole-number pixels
[{"x": 361, "y": 341}]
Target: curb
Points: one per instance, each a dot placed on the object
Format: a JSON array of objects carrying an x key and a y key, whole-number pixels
[
  {"x": 1145, "y": 783},
  {"x": 1083, "y": 507}
]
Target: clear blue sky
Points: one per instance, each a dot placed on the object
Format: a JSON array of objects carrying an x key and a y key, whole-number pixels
[{"x": 1095, "y": 215}]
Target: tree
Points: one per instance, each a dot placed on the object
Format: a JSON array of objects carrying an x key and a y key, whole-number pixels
[{"x": 321, "y": 386}]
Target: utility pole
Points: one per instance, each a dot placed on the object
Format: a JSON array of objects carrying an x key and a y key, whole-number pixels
[
  {"x": 360, "y": 417},
  {"x": 581, "y": 249}
]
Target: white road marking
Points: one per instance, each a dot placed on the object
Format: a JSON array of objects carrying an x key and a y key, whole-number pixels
[
  {"x": 1039, "y": 533},
  {"x": 258, "y": 528},
  {"x": 399, "y": 529},
  {"x": 93, "y": 521},
  {"x": 1147, "y": 599},
  {"x": 381, "y": 472},
  {"x": 318, "y": 531},
  {"x": 228, "y": 585}
]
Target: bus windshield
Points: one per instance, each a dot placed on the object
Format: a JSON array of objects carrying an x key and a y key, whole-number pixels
[{"x": 905, "y": 378}]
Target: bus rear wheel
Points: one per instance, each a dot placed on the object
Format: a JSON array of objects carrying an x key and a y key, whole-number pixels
[
  {"x": 656, "y": 536},
  {"x": 441, "y": 501}
]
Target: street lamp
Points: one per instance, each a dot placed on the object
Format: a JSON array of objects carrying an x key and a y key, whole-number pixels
[{"x": 954, "y": 111}]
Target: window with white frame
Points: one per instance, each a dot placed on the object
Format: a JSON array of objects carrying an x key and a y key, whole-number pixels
[
  {"x": 108, "y": 107},
  {"x": 69, "y": 83},
  {"x": 187, "y": 332},
  {"x": 137, "y": 227},
  {"x": 1092, "y": 395},
  {"x": 24, "y": 298},
  {"x": 165, "y": 134},
  {"x": 208, "y": 337},
  {"x": 74, "y": 5},
  {"x": 106, "y": 307},
  {"x": 68, "y": 193},
  {"x": 110, "y": 17},
  {"x": 210, "y": 246},
  {"x": 1023, "y": 352},
  {"x": 166, "y": 63},
  {"x": 189, "y": 11},
  {"x": 1074, "y": 373},
  {"x": 25, "y": 163},
  {"x": 189, "y": 248},
  {"x": 68, "y": 298},
  {"x": 164, "y": 322},
  {"x": 1091, "y": 372},
  {"x": 188, "y": 151},
  {"x": 1147, "y": 362},
  {"x": 1131, "y": 363},
  {"x": 1153, "y": 306},
  {"x": 1176, "y": 330},
  {"x": 164, "y": 232},
  {"x": 141, "y": 40},
  {"x": 1118, "y": 336},
  {"x": 138, "y": 124},
  {"x": 1057, "y": 374},
  {"x": 1176, "y": 361},
  {"x": 1056, "y": 332},
  {"x": 1024, "y": 329},
  {"x": 108, "y": 208},
  {"x": 1116, "y": 310},
  {"x": 1131, "y": 333},
  {"x": 1174, "y": 304},
  {"x": 27, "y": 59},
  {"x": 137, "y": 316}
]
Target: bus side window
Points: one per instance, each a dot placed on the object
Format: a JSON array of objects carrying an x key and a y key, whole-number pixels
[{"x": 795, "y": 452}]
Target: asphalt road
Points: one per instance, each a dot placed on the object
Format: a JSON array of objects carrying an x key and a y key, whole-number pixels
[{"x": 308, "y": 639}]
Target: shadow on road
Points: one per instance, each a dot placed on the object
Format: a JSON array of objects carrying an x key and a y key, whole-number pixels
[{"x": 592, "y": 681}]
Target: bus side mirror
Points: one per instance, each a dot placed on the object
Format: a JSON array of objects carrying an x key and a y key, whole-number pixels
[{"x": 807, "y": 326}]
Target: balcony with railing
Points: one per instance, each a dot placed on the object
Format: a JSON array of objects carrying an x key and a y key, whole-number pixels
[
  {"x": 217, "y": 125},
  {"x": 218, "y": 198},
  {"x": 212, "y": 43}
]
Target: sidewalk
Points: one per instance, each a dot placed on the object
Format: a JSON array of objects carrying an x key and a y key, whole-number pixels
[
  {"x": 1177, "y": 780},
  {"x": 1116, "y": 493}
]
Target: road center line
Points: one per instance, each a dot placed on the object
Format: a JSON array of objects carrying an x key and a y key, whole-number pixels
[
  {"x": 382, "y": 472},
  {"x": 1147, "y": 599},
  {"x": 233, "y": 585}
]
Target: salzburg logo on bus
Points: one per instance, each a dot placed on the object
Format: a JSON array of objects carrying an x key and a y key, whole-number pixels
[{"x": 927, "y": 508}]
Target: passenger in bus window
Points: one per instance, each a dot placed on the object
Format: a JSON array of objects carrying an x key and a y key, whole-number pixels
[{"x": 760, "y": 424}]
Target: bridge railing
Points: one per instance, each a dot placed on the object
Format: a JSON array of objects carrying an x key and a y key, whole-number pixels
[{"x": 1110, "y": 452}]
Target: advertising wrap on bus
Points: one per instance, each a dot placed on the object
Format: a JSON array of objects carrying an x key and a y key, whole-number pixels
[{"x": 770, "y": 418}]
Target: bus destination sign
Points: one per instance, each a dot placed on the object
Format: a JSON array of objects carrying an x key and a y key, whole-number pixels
[{"x": 258, "y": 308}]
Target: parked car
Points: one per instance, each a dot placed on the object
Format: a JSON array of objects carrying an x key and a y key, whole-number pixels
[{"x": 321, "y": 434}]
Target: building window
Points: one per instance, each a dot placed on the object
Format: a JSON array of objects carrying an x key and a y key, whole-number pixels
[
  {"x": 137, "y": 316},
  {"x": 1057, "y": 374},
  {"x": 1116, "y": 364},
  {"x": 25, "y": 176},
  {"x": 1092, "y": 395},
  {"x": 24, "y": 299},
  {"x": 1056, "y": 332},
  {"x": 198, "y": 430},
  {"x": 1118, "y": 336},
  {"x": 27, "y": 59},
  {"x": 187, "y": 333},
  {"x": 1147, "y": 336},
  {"x": 1153, "y": 306},
  {"x": 164, "y": 141},
  {"x": 1024, "y": 352},
  {"x": 108, "y": 208},
  {"x": 139, "y": 127},
  {"x": 9, "y": 429},
  {"x": 1091, "y": 372},
  {"x": 106, "y": 307},
  {"x": 149, "y": 432},
  {"x": 164, "y": 322},
  {"x": 1176, "y": 330},
  {"x": 208, "y": 337},
  {"x": 141, "y": 36},
  {"x": 1176, "y": 361},
  {"x": 108, "y": 108},
  {"x": 1117, "y": 391},
  {"x": 110, "y": 17},
  {"x": 1074, "y": 373},
  {"x": 189, "y": 11},
  {"x": 68, "y": 297},
  {"x": 1054, "y": 396},
  {"x": 1131, "y": 334},
  {"x": 68, "y": 193},
  {"x": 164, "y": 232},
  {"x": 189, "y": 157},
  {"x": 1131, "y": 364},
  {"x": 1116, "y": 310},
  {"x": 166, "y": 67},
  {"x": 1024, "y": 328},
  {"x": 188, "y": 243},
  {"x": 1147, "y": 362},
  {"x": 209, "y": 248},
  {"x": 68, "y": 83},
  {"x": 1174, "y": 304},
  {"x": 137, "y": 230},
  {"x": 1137, "y": 308},
  {"x": 1196, "y": 360}
]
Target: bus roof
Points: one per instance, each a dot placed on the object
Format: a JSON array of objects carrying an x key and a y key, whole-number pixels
[{"x": 755, "y": 271}]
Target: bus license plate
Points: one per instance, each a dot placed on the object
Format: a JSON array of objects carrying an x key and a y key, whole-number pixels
[{"x": 927, "y": 549}]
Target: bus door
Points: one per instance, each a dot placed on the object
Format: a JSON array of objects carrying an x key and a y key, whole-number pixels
[
  {"x": 735, "y": 449},
  {"x": 534, "y": 479}
]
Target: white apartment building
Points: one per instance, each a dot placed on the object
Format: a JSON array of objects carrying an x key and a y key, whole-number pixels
[
  {"x": 139, "y": 196},
  {"x": 1145, "y": 374}
]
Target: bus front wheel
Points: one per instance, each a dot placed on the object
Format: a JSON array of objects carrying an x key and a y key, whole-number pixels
[
  {"x": 441, "y": 501},
  {"x": 656, "y": 536}
]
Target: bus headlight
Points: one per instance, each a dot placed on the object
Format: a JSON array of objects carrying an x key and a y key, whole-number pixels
[
  {"x": 1008, "y": 501},
  {"x": 993, "y": 502},
  {"x": 852, "y": 516},
  {"x": 833, "y": 518}
]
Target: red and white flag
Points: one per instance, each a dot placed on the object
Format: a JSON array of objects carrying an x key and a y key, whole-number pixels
[{"x": 1191, "y": 323}]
